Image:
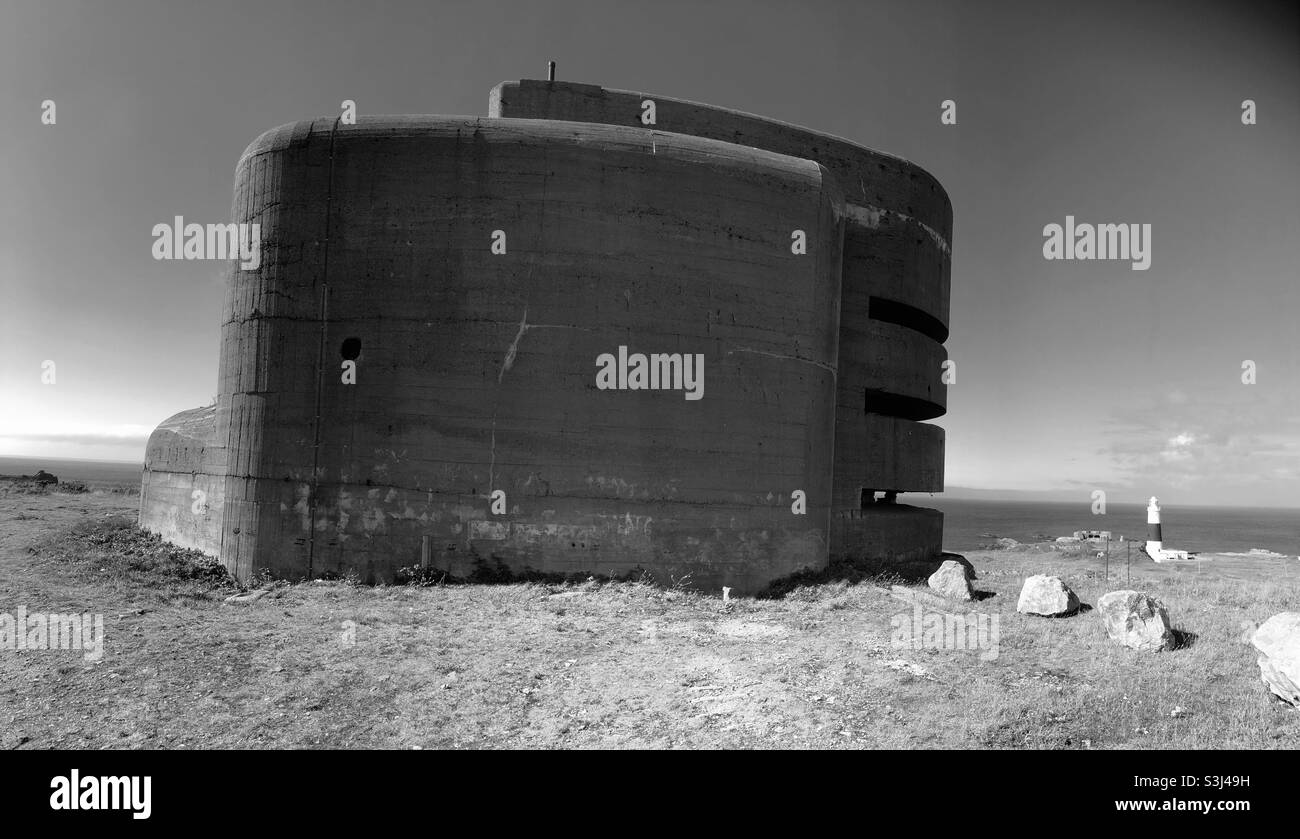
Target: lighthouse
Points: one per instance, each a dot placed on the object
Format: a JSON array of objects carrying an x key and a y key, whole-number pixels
[
  {"x": 1155, "y": 542},
  {"x": 1155, "y": 545}
]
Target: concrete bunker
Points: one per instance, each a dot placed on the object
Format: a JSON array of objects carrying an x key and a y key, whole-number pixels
[{"x": 474, "y": 270}]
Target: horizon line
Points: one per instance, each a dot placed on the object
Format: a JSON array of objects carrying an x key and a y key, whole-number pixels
[{"x": 140, "y": 464}]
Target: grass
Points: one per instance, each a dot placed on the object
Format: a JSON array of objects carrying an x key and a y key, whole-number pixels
[
  {"x": 547, "y": 664},
  {"x": 118, "y": 557}
]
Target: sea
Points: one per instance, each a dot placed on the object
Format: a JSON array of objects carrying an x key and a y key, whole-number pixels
[
  {"x": 967, "y": 524},
  {"x": 970, "y": 524},
  {"x": 96, "y": 474}
]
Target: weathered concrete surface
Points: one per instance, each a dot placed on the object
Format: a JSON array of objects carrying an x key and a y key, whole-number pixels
[
  {"x": 895, "y": 282},
  {"x": 895, "y": 184},
  {"x": 891, "y": 261},
  {"x": 892, "y": 370},
  {"x": 476, "y": 371},
  {"x": 182, "y": 458},
  {"x": 897, "y": 532},
  {"x": 902, "y": 455}
]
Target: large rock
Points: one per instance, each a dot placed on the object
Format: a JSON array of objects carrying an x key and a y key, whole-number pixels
[
  {"x": 1048, "y": 596},
  {"x": 1136, "y": 620},
  {"x": 952, "y": 580},
  {"x": 1279, "y": 666}
]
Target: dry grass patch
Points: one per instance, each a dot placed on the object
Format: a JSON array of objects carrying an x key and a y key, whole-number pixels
[{"x": 615, "y": 664}]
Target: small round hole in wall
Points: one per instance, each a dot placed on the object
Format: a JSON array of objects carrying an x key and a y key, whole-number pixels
[{"x": 351, "y": 348}]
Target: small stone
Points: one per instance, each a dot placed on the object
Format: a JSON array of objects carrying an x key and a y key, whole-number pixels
[
  {"x": 1136, "y": 620},
  {"x": 1047, "y": 596},
  {"x": 248, "y": 597},
  {"x": 952, "y": 580}
]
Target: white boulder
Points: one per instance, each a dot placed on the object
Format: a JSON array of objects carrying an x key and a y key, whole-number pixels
[
  {"x": 1136, "y": 620},
  {"x": 1047, "y": 596},
  {"x": 952, "y": 580},
  {"x": 1278, "y": 640}
]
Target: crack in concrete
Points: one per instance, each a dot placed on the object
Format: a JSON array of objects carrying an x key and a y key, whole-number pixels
[
  {"x": 524, "y": 327},
  {"x": 820, "y": 364},
  {"x": 511, "y": 352},
  {"x": 493, "y": 462},
  {"x": 514, "y": 346}
]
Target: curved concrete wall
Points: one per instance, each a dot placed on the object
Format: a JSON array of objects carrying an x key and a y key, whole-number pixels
[
  {"x": 182, "y": 493},
  {"x": 871, "y": 179},
  {"x": 477, "y": 370},
  {"x": 913, "y": 464},
  {"x": 891, "y": 370},
  {"x": 895, "y": 284},
  {"x": 886, "y": 257},
  {"x": 897, "y": 532}
]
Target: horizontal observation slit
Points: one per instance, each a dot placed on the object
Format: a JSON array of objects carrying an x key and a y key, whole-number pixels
[
  {"x": 910, "y": 317},
  {"x": 904, "y": 407}
]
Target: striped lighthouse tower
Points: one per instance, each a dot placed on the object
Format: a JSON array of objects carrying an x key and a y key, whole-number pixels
[{"x": 1155, "y": 545}]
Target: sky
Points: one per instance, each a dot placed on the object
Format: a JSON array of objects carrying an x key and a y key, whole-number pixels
[{"x": 1071, "y": 377}]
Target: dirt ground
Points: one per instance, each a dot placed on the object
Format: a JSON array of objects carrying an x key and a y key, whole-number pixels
[{"x": 336, "y": 665}]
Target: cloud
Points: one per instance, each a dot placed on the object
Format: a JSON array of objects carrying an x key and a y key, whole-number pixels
[
  {"x": 1222, "y": 447},
  {"x": 82, "y": 435}
]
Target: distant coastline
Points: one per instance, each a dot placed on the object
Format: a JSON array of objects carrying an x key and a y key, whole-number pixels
[
  {"x": 6, "y": 457},
  {"x": 93, "y": 473},
  {"x": 968, "y": 522}
]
